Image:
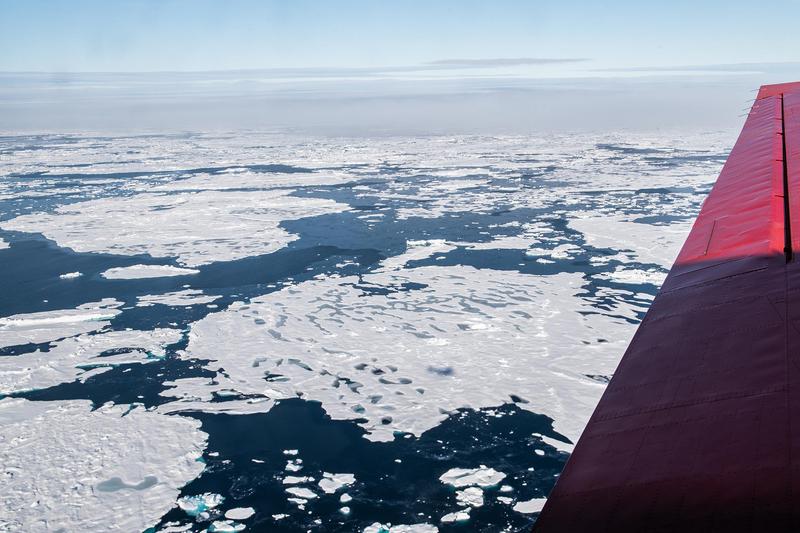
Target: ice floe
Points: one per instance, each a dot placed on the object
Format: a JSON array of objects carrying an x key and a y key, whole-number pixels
[
  {"x": 82, "y": 355},
  {"x": 403, "y": 360},
  {"x": 462, "y": 515},
  {"x": 377, "y": 527},
  {"x": 530, "y": 506},
  {"x": 225, "y": 526},
  {"x": 644, "y": 243},
  {"x": 69, "y": 467},
  {"x": 471, "y": 496},
  {"x": 195, "y": 227},
  {"x": 52, "y": 325},
  {"x": 147, "y": 271},
  {"x": 240, "y": 513},
  {"x": 71, "y": 275},
  {"x": 636, "y": 276},
  {"x": 330, "y": 483},
  {"x": 302, "y": 492},
  {"x": 472, "y": 477},
  {"x": 199, "y": 503},
  {"x": 185, "y": 297}
]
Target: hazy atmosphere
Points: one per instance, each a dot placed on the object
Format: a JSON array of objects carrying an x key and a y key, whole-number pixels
[{"x": 357, "y": 67}]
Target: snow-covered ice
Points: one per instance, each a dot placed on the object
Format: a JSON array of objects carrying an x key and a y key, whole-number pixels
[
  {"x": 469, "y": 338},
  {"x": 377, "y": 527},
  {"x": 472, "y": 477},
  {"x": 52, "y": 325},
  {"x": 196, "y": 228},
  {"x": 530, "y": 506},
  {"x": 330, "y": 483},
  {"x": 178, "y": 298},
  {"x": 69, "y": 467},
  {"x": 147, "y": 271},
  {"x": 240, "y": 513},
  {"x": 75, "y": 357}
]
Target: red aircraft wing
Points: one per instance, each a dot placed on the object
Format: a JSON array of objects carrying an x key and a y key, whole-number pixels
[{"x": 699, "y": 429}]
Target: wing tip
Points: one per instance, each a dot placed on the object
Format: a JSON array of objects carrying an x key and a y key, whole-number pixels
[{"x": 778, "y": 88}]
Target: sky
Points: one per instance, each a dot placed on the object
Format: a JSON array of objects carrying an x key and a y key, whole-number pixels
[
  {"x": 191, "y": 35},
  {"x": 379, "y": 66}
]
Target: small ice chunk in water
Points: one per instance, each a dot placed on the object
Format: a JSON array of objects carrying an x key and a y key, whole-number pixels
[
  {"x": 294, "y": 465},
  {"x": 377, "y": 527},
  {"x": 296, "y": 480},
  {"x": 194, "y": 505},
  {"x": 531, "y": 506},
  {"x": 301, "y": 492},
  {"x": 462, "y": 515},
  {"x": 472, "y": 496},
  {"x": 240, "y": 513},
  {"x": 467, "y": 477},
  {"x": 225, "y": 526},
  {"x": 344, "y": 498},
  {"x": 330, "y": 483},
  {"x": 71, "y": 275}
]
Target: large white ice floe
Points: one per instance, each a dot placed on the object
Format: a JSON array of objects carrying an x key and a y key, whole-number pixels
[
  {"x": 82, "y": 356},
  {"x": 67, "y": 467},
  {"x": 402, "y": 361},
  {"x": 147, "y": 271},
  {"x": 195, "y": 227},
  {"x": 185, "y": 297},
  {"x": 472, "y": 477},
  {"x": 643, "y": 243},
  {"x": 51, "y": 325},
  {"x": 330, "y": 483},
  {"x": 530, "y": 506}
]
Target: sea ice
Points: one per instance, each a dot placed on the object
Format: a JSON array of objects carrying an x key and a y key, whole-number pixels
[
  {"x": 52, "y": 325},
  {"x": 71, "y": 358},
  {"x": 531, "y": 506},
  {"x": 185, "y": 297},
  {"x": 56, "y": 455},
  {"x": 472, "y": 477},
  {"x": 330, "y": 483},
  {"x": 197, "y": 228},
  {"x": 462, "y": 515},
  {"x": 194, "y": 505},
  {"x": 377, "y": 527},
  {"x": 468, "y": 338},
  {"x": 225, "y": 526},
  {"x": 643, "y": 243},
  {"x": 147, "y": 271},
  {"x": 301, "y": 492},
  {"x": 471, "y": 496},
  {"x": 240, "y": 513}
]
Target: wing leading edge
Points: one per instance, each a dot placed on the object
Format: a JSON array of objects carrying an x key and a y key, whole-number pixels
[{"x": 699, "y": 429}]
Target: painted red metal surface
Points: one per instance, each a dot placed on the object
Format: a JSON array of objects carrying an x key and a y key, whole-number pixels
[
  {"x": 699, "y": 429},
  {"x": 775, "y": 90}
]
